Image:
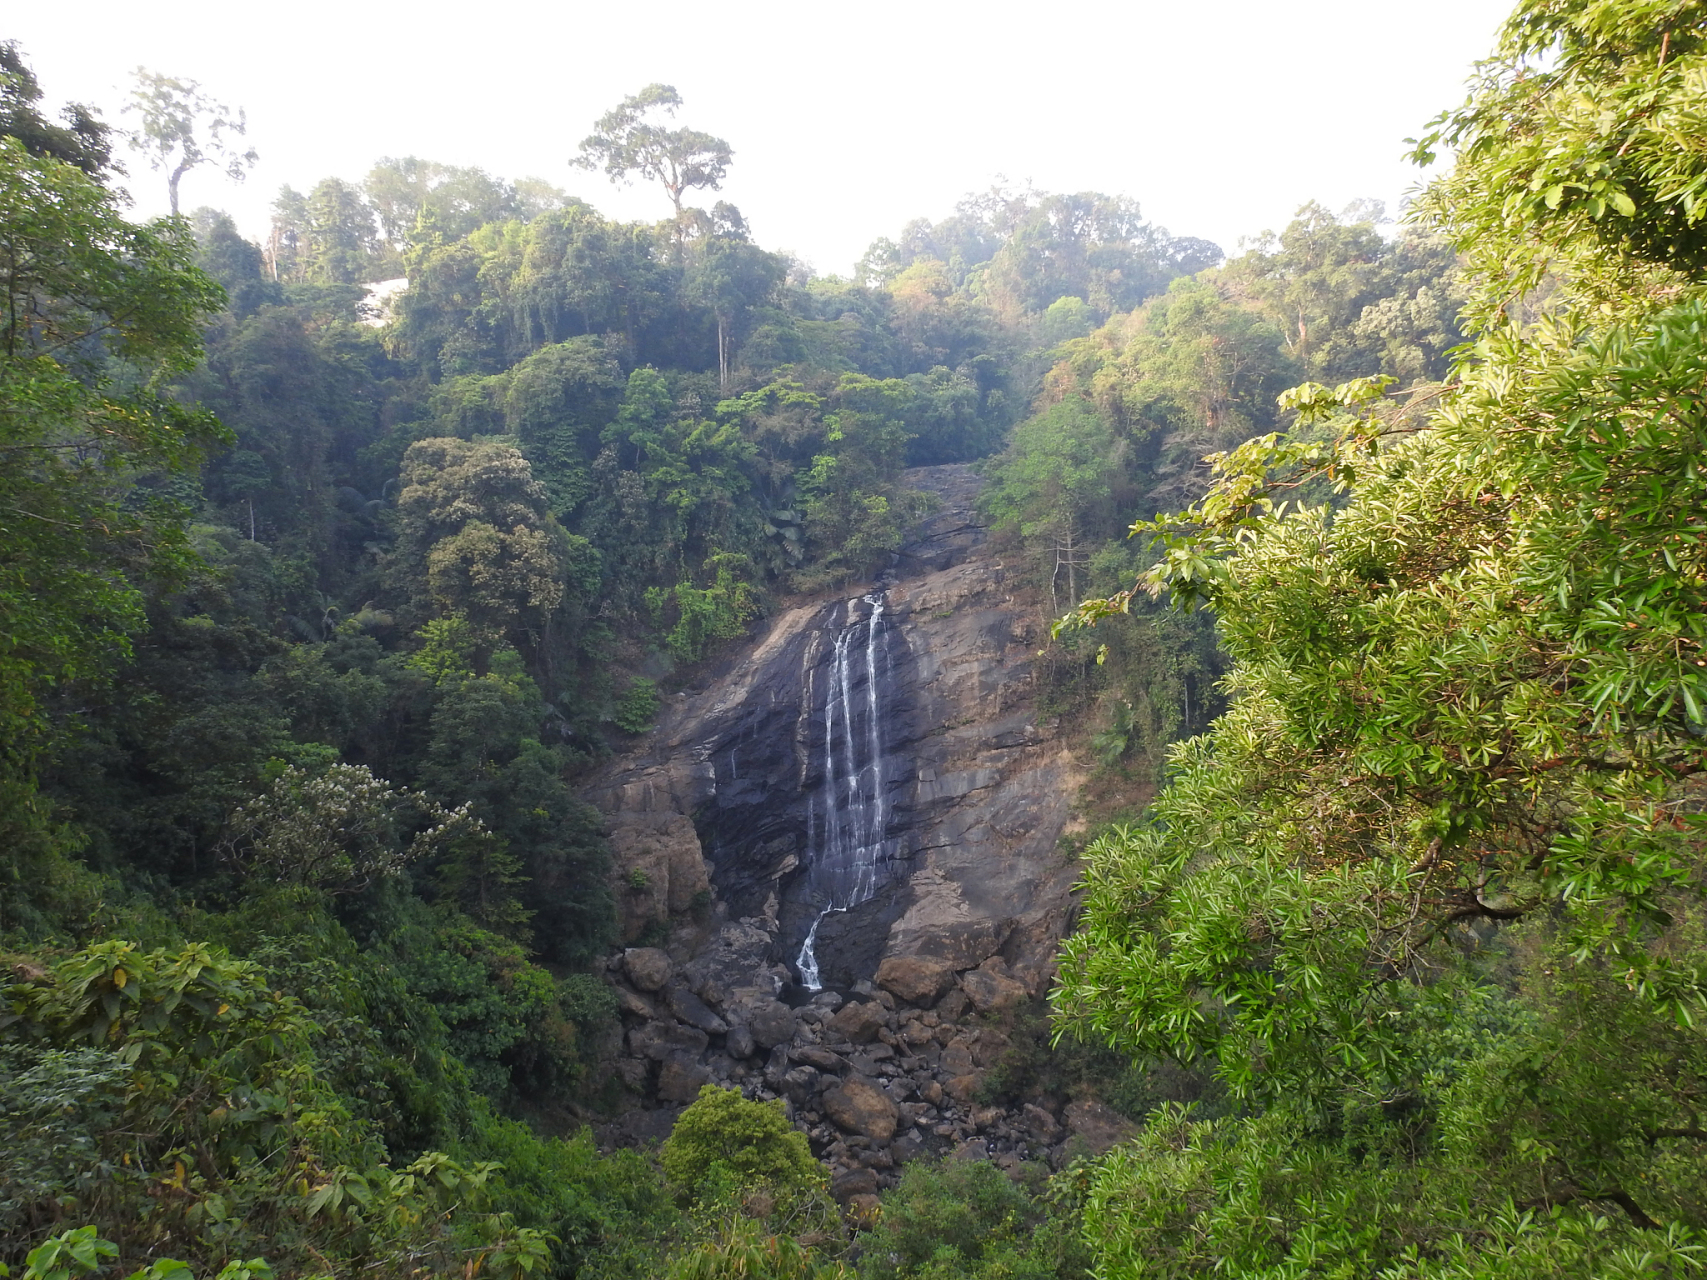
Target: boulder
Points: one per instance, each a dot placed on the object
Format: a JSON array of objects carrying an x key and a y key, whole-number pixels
[
  {"x": 736, "y": 960},
  {"x": 859, "y": 1021},
  {"x": 647, "y": 967},
  {"x": 771, "y": 1022},
  {"x": 952, "y": 1005},
  {"x": 1045, "y": 1127},
  {"x": 957, "y": 1058},
  {"x": 823, "y": 1059},
  {"x": 988, "y": 1046},
  {"x": 689, "y": 1008},
  {"x": 915, "y": 979},
  {"x": 871, "y": 1060},
  {"x": 941, "y": 922},
  {"x": 877, "y": 1158},
  {"x": 801, "y": 1086},
  {"x": 853, "y": 1182},
  {"x": 917, "y": 1033},
  {"x": 681, "y": 1079},
  {"x": 864, "y": 1210},
  {"x": 740, "y": 1042},
  {"x": 721, "y": 1066},
  {"x": 858, "y": 1106},
  {"x": 909, "y": 1146},
  {"x": 964, "y": 1088},
  {"x": 633, "y": 1003},
  {"x": 992, "y": 992},
  {"x": 1098, "y": 1126},
  {"x": 658, "y": 1040}
]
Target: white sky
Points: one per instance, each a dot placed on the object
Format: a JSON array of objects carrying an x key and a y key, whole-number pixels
[{"x": 847, "y": 120}]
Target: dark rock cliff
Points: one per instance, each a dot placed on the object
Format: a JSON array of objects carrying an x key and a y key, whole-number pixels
[{"x": 903, "y": 710}]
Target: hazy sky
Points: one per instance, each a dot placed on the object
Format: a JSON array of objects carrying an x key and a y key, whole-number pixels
[{"x": 847, "y": 119}]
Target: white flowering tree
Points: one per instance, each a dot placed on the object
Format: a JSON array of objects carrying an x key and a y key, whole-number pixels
[{"x": 342, "y": 829}]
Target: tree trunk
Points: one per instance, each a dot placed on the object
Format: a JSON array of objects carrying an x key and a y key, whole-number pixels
[
  {"x": 1069, "y": 555},
  {"x": 172, "y": 183}
]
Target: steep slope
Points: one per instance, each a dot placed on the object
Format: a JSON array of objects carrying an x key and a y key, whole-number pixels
[
  {"x": 872, "y": 774},
  {"x": 846, "y": 846}
]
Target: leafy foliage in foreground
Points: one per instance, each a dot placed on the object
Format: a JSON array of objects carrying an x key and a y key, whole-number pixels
[
  {"x": 968, "y": 1218},
  {"x": 1428, "y": 896}
]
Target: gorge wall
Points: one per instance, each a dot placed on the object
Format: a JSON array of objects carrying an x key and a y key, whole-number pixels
[
  {"x": 879, "y": 753},
  {"x": 863, "y": 810}
]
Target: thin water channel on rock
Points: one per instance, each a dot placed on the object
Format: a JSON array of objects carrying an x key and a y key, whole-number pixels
[{"x": 847, "y": 822}]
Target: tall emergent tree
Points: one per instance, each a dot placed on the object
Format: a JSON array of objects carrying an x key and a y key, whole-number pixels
[
  {"x": 180, "y": 128},
  {"x": 1428, "y": 899},
  {"x": 629, "y": 140}
]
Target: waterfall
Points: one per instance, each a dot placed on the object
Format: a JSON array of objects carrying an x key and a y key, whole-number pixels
[{"x": 846, "y": 846}]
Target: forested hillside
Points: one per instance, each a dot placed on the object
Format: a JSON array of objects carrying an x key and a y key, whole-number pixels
[{"x": 332, "y": 561}]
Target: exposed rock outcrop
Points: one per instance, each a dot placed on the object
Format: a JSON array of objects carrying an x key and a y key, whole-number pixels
[
  {"x": 905, "y": 712},
  {"x": 658, "y": 867},
  {"x": 976, "y": 789}
]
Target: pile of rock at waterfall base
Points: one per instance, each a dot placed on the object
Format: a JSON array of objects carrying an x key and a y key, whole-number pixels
[{"x": 883, "y": 1076}]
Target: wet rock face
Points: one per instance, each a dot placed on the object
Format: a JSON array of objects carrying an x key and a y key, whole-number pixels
[{"x": 973, "y": 792}]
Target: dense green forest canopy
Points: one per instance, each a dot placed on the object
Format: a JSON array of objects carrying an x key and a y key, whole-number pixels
[
  {"x": 1427, "y": 898},
  {"x": 319, "y": 596}
]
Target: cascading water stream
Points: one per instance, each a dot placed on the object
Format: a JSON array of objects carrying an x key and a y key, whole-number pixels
[{"x": 846, "y": 849}]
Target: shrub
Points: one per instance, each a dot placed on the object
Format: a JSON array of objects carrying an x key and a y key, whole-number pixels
[
  {"x": 753, "y": 1141},
  {"x": 638, "y": 705},
  {"x": 959, "y": 1218}
]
